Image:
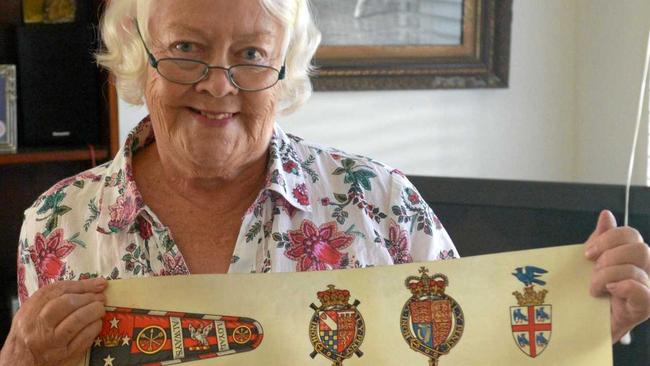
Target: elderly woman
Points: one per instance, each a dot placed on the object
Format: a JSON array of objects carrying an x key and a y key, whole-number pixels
[{"x": 208, "y": 183}]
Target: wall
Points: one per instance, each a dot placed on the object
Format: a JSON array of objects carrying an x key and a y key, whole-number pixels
[
  {"x": 538, "y": 129},
  {"x": 523, "y": 132},
  {"x": 612, "y": 38}
]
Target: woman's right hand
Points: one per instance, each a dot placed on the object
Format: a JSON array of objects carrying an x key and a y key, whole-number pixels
[{"x": 56, "y": 325}]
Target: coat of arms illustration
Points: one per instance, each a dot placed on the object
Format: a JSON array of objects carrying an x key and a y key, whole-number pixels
[
  {"x": 336, "y": 329},
  {"x": 131, "y": 337},
  {"x": 431, "y": 321},
  {"x": 531, "y": 320}
]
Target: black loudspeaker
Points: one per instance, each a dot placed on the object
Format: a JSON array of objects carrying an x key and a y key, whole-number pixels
[
  {"x": 7, "y": 45},
  {"x": 58, "y": 85}
]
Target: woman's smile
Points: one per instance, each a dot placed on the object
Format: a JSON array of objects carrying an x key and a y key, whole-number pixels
[{"x": 213, "y": 118}]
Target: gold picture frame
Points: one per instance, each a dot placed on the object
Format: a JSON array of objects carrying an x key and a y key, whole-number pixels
[{"x": 480, "y": 60}]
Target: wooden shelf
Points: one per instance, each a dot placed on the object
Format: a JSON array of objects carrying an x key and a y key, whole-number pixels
[{"x": 49, "y": 155}]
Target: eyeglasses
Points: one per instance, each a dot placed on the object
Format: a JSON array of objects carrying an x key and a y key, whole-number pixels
[{"x": 246, "y": 77}]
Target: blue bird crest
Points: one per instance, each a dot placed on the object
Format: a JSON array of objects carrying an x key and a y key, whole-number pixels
[{"x": 530, "y": 275}]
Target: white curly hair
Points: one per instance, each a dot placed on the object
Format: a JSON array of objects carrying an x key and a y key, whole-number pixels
[{"x": 124, "y": 55}]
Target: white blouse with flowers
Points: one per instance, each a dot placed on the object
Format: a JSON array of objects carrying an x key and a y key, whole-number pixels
[{"x": 320, "y": 209}]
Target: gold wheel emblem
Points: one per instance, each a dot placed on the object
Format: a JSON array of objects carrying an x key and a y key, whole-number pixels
[
  {"x": 242, "y": 334},
  {"x": 151, "y": 340}
]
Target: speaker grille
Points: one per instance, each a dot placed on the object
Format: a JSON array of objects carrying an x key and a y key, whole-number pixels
[{"x": 58, "y": 85}]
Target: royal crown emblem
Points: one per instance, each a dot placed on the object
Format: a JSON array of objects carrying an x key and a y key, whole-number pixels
[
  {"x": 133, "y": 337},
  {"x": 336, "y": 329},
  {"x": 112, "y": 339},
  {"x": 431, "y": 321},
  {"x": 531, "y": 319}
]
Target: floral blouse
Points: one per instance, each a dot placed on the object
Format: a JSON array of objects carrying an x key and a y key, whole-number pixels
[{"x": 320, "y": 209}]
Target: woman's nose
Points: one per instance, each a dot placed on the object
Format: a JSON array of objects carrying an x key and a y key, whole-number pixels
[{"x": 217, "y": 83}]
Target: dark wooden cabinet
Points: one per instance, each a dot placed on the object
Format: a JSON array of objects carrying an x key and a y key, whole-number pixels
[
  {"x": 31, "y": 171},
  {"x": 88, "y": 11}
]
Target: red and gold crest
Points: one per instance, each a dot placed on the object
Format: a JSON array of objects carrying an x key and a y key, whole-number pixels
[
  {"x": 431, "y": 321},
  {"x": 336, "y": 329}
]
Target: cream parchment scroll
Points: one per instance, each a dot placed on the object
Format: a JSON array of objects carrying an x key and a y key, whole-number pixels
[{"x": 520, "y": 308}]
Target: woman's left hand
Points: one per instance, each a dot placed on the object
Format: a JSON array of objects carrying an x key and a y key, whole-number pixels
[{"x": 622, "y": 271}]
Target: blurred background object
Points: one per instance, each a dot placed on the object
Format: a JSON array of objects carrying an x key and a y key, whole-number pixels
[{"x": 49, "y": 11}]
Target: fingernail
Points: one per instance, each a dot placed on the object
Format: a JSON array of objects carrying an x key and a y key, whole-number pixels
[
  {"x": 611, "y": 286},
  {"x": 590, "y": 252},
  {"x": 100, "y": 282}
]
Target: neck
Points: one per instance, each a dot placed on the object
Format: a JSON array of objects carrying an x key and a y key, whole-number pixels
[{"x": 224, "y": 191}]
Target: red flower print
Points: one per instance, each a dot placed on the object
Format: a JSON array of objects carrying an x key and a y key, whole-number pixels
[
  {"x": 398, "y": 244},
  {"x": 300, "y": 194},
  {"x": 67, "y": 181},
  {"x": 398, "y": 172},
  {"x": 174, "y": 265},
  {"x": 258, "y": 203},
  {"x": 290, "y": 166},
  {"x": 144, "y": 228},
  {"x": 446, "y": 254},
  {"x": 317, "y": 248},
  {"x": 413, "y": 196},
  {"x": 47, "y": 254},
  {"x": 87, "y": 276},
  {"x": 121, "y": 213},
  {"x": 325, "y": 201},
  {"x": 22, "y": 288},
  {"x": 288, "y": 207},
  {"x": 129, "y": 266},
  {"x": 125, "y": 208}
]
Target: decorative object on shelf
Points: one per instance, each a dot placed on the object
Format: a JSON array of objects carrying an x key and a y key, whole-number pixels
[
  {"x": 33, "y": 11},
  {"x": 60, "y": 11},
  {"x": 49, "y": 11},
  {"x": 7, "y": 109},
  {"x": 413, "y": 44}
]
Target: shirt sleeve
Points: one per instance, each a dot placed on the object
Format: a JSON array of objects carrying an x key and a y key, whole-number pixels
[
  {"x": 427, "y": 238},
  {"x": 27, "y": 276}
]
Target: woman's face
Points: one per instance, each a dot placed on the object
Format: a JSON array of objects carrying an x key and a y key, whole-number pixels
[{"x": 211, "y": 128}]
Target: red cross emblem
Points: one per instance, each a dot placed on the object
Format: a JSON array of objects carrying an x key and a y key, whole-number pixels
[{"x": 531, "y": 328}]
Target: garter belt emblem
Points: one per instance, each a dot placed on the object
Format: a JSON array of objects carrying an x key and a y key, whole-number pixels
[
  {"x": 131, "y": 337},
  {"x": 336, "y": 329},
  {"x": 530, "y": 321},
  {"x": 431, "y": 321}
]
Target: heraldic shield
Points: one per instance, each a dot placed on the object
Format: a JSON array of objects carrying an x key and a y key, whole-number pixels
[
  {"x": 131, "y": 337},
  {"x": 336, "y": 329},
  {"x": 531, "y": 321},
  {"x": 431, "y": 321}
]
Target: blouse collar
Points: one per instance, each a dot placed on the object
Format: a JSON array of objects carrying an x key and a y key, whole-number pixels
[{"x": 121, "y": 203}]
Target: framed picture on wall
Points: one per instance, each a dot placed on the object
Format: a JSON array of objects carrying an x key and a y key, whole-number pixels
[
  {"x": 8, "y": 134},
  {"x": 412, "y": 44}
]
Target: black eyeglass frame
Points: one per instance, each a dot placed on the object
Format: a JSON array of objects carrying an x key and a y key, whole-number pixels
[{"x": 154, "y": 63}]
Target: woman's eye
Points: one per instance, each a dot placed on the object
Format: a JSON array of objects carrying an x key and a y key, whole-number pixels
[
  {"x": 252, "y": 54},
  {"x": 184, "y": 47}
]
